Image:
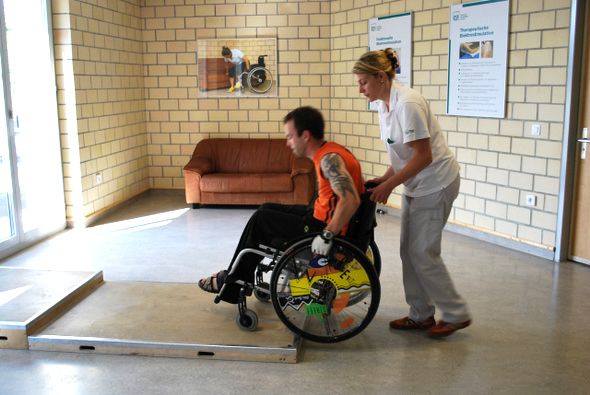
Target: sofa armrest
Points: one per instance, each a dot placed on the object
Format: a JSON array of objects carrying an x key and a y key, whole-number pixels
[
  {"x": 199, "y": 164},
  {"x": 301, "y": 166}
]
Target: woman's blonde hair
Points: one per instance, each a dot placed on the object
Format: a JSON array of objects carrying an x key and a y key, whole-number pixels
[{"x": 373, "y": 62}]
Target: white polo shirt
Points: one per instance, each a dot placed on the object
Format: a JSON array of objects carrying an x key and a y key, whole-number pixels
[
  {"x": 236, "y": 56},
  {"x": 409, "y": 118}
]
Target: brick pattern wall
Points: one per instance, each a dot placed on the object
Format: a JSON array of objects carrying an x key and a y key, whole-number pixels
[
  {"x": 501, "y": 161},
  {"x": 100, "y": 44},
  {"x": 177, "y": 118},
  {"x": 139, "y": 109}
]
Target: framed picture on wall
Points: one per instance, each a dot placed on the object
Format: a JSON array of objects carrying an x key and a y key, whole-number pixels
[{"x": 244, "y": 67}]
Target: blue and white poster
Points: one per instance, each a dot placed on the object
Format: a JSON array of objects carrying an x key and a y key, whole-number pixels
[
  {"x": 395, "y": 32},
  {"x": 478, "y": 50}
]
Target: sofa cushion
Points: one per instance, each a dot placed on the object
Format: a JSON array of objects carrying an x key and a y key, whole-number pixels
[
  {"x": 252, "y": 156},
  {"x": 236, "y": 183}
]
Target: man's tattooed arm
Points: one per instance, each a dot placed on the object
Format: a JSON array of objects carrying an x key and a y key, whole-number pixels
[{"x": 335, "y": 171}]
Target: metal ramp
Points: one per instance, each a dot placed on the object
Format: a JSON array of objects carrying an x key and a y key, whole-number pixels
[
  {"x": 29, "y": 299},
  {"x": 151, "y": 319}
]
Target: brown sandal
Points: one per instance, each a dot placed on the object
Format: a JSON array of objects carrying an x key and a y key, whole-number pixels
[{"x": 207, "y": 285}]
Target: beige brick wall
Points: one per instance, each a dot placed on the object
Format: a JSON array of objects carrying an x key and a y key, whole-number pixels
[
  {"x": 140, "y": 114},
  {"x": 177, "y": 118},
  {"x": 98, "y": 48}
]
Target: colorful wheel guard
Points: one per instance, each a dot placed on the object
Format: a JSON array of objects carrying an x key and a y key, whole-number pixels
[{"x": 325, "y": 290}]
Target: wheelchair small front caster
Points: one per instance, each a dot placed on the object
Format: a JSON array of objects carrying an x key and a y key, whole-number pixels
[
  {"x": 248, "y": 321},
  {"x": 263, "y": 296}
]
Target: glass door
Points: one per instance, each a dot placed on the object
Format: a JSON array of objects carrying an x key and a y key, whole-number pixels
[
  {"x": 31, "y": 169},
  {"x": 7, "y": 223}
]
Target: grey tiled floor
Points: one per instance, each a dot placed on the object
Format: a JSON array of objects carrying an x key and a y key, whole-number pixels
[{"x": 531, "y": 330}]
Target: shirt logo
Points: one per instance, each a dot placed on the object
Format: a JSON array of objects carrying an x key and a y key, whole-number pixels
[{"x": 408, "y": 132}]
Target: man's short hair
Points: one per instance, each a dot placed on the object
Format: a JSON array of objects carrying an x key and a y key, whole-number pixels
[{"x": 307, "y": 118}]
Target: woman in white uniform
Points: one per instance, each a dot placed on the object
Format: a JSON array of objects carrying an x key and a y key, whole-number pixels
[
  {"x": 239, "y": 63},
  {"x": 422, "y": 161}
]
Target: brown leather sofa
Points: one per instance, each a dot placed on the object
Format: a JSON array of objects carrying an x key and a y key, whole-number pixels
[
  {"x": 247, "y": 172},
  {"x": 212, "y": 74}
]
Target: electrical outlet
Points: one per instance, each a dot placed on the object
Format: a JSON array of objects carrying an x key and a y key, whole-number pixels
[
  {"x": 536, "y": 130},
  {"x": 98, "y": 178},
  {"x": 531, "y": 200}
]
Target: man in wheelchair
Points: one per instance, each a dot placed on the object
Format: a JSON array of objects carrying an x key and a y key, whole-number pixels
[{"x": 340, "y": 187}]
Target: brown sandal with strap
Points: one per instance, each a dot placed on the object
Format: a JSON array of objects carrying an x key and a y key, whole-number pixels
[{"x": 207, "y": 284}]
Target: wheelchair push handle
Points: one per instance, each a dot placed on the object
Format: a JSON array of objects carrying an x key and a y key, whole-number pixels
[
  {"x": 370, "y": 185},
  {"x": 261, "y": 60}
]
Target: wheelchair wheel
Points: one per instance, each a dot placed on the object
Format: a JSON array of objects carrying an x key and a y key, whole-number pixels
[
  {"x": 260, "y": 79},
  {"x": 325, "y": 299},
  {"x": 374, "y": 256}
]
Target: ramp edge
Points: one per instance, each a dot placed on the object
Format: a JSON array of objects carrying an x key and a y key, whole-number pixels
[
  {"x": 14, "y": 334},
  {"x": 287, "y": 354}
]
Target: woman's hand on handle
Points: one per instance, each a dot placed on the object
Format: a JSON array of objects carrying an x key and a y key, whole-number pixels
[{"x": 381, "y": 193}]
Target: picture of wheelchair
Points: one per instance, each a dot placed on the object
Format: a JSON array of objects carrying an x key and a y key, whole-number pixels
[
  {"x": 321, "y": 298},
  {"x": 258, "y": 78}
]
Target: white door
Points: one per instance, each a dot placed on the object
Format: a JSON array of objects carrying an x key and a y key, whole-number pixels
[{"x": 580, "y": 236}]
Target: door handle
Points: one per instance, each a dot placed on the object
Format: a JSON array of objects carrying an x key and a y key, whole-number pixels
[{"x": 584, "y": 140}]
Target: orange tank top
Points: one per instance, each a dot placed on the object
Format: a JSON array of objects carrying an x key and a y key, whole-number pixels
[{"x": 327, "y": 199}]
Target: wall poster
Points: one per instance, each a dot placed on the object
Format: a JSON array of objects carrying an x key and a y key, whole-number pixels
[
  {"x": 478, "y": 49},
  {"x": 395, "y": 32},
  {"x": 237, "y": 67}
]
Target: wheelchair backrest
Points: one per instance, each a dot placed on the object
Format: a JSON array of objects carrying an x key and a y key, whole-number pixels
[{"x": 362, "y": 223}]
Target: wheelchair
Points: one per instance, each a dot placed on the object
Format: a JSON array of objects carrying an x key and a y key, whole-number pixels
[
  {"x": 324, "y": 299},
  {"x": 258, "y": 78}
]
